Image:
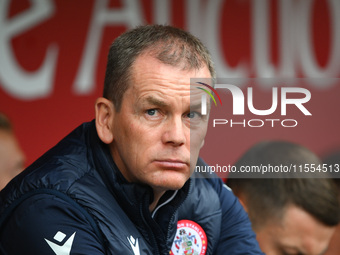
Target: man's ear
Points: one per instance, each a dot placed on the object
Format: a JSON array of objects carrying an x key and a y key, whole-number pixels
[
  {"x": 104, "y": 119},
  {"x": 202, "y": 144},
  {"x": 243, "y": 202}
]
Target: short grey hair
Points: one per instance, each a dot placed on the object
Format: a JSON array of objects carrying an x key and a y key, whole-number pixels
[{"x": 170, "y": 45}]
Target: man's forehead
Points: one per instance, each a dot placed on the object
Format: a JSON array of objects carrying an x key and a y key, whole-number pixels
[
  {"x": 147, "y": 63},
  {"x": 149, "y": 75}
]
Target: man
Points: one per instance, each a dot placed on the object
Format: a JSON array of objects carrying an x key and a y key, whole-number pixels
[
  {"x": 121, "y": 184},
  {"x": 11, "y": 156},
  {"x": 295, "y": 215}
]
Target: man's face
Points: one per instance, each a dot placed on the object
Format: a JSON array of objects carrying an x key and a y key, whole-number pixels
[
  {"x": 153, "y": 128},
  {"x": 11, "y": 158},
  {"x": 298, "y": 233}
]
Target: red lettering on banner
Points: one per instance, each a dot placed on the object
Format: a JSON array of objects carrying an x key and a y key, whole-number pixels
[{"x": 53, "y": 55}]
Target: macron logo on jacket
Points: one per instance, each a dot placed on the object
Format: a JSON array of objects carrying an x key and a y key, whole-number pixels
[
  {"x": 134, "y": 245},
  {"x": 64, "y": 249}
]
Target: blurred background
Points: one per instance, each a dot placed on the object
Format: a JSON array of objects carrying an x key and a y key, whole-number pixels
[{"x": 53, "y": 59}]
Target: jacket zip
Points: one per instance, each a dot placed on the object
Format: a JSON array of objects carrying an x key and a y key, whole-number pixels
[
  {"x": 150, "y": 229},
  {"x": 173, "y": 215}
]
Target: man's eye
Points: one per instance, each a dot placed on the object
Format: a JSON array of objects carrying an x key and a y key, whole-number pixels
[
  {"x": 192, "y": 115},
  {"x": 151, "y": 112}
]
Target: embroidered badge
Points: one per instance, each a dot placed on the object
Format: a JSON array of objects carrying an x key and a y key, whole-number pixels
[{"x": 190, "y": 239}]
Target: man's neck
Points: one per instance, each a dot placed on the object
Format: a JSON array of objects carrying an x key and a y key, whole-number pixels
[{"x": 157, "y": 196}]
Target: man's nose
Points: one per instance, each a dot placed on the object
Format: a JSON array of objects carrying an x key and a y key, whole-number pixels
[{"x": 175, "y": 132}]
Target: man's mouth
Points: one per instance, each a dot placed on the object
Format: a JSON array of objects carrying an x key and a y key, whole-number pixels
[{"x": 171, "y": 163}]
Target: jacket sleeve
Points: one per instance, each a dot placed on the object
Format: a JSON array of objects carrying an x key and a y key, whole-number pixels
[
  {"x": 46, "y": 224},
  {"x": 237, "y": 236}
]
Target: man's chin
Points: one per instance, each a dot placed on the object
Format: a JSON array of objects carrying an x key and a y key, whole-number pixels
[{"x": 171, "y": 181}]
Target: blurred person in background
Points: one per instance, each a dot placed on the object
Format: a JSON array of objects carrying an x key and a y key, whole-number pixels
[
  {"x": 333, "y": 159},
  {"x": 290, "y": 214},
  {"x": 12, "y": 157}
]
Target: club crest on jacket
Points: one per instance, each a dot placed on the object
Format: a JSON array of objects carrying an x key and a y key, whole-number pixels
[{"x": 190, "y": 239}]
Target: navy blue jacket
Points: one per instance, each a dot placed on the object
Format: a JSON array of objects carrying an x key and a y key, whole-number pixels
[{"x": 74, "y": 200}]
